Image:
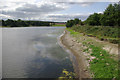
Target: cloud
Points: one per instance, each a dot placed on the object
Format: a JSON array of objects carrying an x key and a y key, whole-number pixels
[
  {"x": 84, "y": 4},
  {"x": 83, "y": 0},
  {"x": 36, "y": 11},
  {"x": 65, "y": 17},
  {"x": 13, "y": 4},
  {"x": 43, "y": 9},
  {"x": 4, "y": 16}
]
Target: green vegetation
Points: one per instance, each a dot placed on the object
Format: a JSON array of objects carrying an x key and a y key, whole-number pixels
[
  {"x": 66, "y": 75},
  {"x": 26, "y": 23},
  {"x": 110, "y": 17},
  {"x": 76, "y": 21},
  {"x": 103, "y": 26},
  {"x": 102, "y": 64},
  {"x": 94, "y": 19},
  {"x": 21, "y": 23},
  {"x": 103, "y": 33},
  {"x": 58, "y": 25}
]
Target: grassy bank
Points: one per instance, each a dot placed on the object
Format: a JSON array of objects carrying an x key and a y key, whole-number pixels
[
  {"x": 101, "y": 63},
  {"x": 56, "y": 25},
  {"x": 103, "y": 33}
]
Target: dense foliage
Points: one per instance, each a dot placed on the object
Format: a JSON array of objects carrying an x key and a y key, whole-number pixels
[
  {"x": 110, "y": 17},
  {"x": 76, "y": 21},
  {"x": 21, "y": 23},
  {"x": 94, "y": 19},
  {"x": 103, "y": 33}
]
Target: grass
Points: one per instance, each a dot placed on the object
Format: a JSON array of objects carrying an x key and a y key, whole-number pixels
[
  {"x": 103, "y": 33},
  {"x": 81, "y": 38},
  {"x": 72, "y": 32},
  {"x": 59, "y": 25},
  {"x": 103, "y": 65},
  {"x": 4, "y": 26}
]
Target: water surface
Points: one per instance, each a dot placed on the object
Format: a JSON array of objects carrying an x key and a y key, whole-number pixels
[
  {"x": 33, "y": 52},
  {"x": 0, "y": 53}
]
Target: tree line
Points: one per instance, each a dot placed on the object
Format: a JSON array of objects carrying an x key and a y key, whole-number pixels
[
  {"x": 110, "y": 17},
  {"x": 23, "y": 23}
]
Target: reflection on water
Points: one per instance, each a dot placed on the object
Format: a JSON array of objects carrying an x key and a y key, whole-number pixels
[{"x": 33, "y": 53}]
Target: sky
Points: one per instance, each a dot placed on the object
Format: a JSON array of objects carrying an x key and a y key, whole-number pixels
[{"x": 51, "y": 10}]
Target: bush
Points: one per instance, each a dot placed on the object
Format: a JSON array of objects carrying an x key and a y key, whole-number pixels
[{"x": 103, "y": 33}]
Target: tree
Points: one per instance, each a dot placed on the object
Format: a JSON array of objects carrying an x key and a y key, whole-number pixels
[
  {"x": 111, "y": 15},
  {"x": 107, "y": 18},
  {"x": 21, "y": 23},
  {"x": 9, "y": 22},
  {"x": 93, "y": 19},
  {"x": 117, "y": 14},
  {"x": 70, "y": 23},
  {"x": 76, "y": 21},
  {"x": 81, "y": 23}
]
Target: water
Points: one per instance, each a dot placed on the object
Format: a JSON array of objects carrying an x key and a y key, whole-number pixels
[
  {"x": 0, "y": 53},
  {"x": 33, "y": 52}
]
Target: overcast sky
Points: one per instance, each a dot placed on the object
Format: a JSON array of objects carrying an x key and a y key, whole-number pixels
[{"x": 51, "y": 10}]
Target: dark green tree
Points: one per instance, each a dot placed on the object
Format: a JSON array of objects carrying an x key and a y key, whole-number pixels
[
  {"x": 111, "y": 15},
  {"x": 22, "y": 23},
  {"x": 93, "y": 19},
  {"x": 76, "y": 21},
  {"x": 70, "y": 23},
  {"x": 107, "y": 19}
]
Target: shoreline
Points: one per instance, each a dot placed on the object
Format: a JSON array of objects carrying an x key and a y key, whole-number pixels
[
  {"x": 72, "y": 57},
  {"x": 77, "y": 58},
  {"x": 83, "y": 49}
]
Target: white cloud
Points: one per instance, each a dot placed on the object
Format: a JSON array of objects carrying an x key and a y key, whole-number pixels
[
  {"x": 82, "y": 0},
  {"x": 4, "y": 16},
  {"x": 42, "y": 9},
  {"x": 13, "y": 4},
  {"x": 35, "y": 10},
  {"x": 65, "y": 17}
]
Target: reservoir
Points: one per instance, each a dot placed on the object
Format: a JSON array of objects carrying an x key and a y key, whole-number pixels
[{"x": 33, "y": 52}]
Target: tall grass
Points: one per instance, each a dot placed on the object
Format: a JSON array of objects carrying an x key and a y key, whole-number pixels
[{"x": 103, "y": 33}]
